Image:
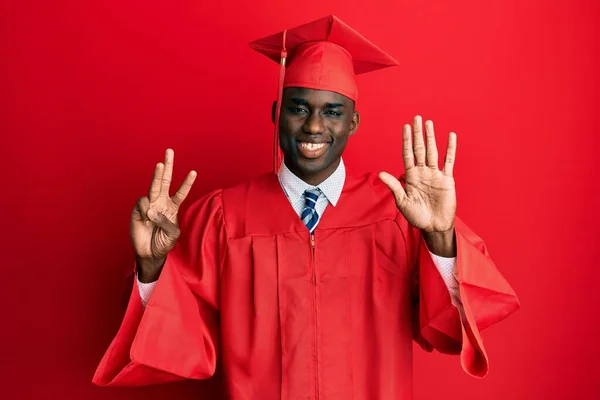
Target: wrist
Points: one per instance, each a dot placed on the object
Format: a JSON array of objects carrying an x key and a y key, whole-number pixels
[
  {"x": 148, "y": 269},
  {"x": 441, "y": 244}
]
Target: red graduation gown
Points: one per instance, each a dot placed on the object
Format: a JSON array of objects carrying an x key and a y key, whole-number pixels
[{"x": 293, "y": 321}]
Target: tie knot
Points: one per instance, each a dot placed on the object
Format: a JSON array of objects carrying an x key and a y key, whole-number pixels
[{"x": 311, "y": 196}]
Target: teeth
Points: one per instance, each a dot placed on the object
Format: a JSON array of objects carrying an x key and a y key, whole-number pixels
[{"x": 312, "y": 146}]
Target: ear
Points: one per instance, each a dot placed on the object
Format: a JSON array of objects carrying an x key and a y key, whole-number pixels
[
  {"x": 273, "y": 111},
  {"x": 354, "y": 123}
]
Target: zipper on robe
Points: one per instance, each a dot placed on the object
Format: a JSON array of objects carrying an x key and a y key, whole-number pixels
[
  {"x": 313, "y": 271},
  {"x": 314, "y": 282}
]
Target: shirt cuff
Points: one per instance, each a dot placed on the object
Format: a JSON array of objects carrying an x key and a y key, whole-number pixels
[
  {"x": 447, "y": 268},
  {"x": 146, "y": 290}
]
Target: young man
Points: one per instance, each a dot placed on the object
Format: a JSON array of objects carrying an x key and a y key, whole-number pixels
[{"x": 310, "y": 283}]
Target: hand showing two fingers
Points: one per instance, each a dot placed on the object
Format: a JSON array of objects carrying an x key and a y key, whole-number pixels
[{"x": 154, "y": 225}]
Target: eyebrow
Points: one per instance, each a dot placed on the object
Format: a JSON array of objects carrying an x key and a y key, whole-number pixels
[{"x": 302, "y": 102}]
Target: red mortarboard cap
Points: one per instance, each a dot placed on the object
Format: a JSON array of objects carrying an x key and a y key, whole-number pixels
[{"x": 325, "y": 54}]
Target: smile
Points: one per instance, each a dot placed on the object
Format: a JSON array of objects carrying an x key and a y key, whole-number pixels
[
  {"x": 312, "y": 146},
  {"x": 312, "y": 150}
]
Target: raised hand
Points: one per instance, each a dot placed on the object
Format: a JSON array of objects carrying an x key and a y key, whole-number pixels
[
  {"x": 154, "y": 225},
  {"x": 428, "y": 200}
]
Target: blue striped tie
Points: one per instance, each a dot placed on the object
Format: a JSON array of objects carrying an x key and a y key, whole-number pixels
[{"x": 309, "y": 216}]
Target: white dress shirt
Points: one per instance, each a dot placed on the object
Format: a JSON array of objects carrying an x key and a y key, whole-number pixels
[
  {"x": 331, "y": 187},
  {"x": 294, "y": 189}
]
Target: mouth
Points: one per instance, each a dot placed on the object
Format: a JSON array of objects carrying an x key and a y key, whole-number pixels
[{"x": 312, "y": 150}]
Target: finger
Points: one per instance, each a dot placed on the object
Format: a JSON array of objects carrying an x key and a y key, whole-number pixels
[
  {"x": 140, "y": 210},
  {"x": 407, "y": 150},
  {"x": 432, "y": 153},
  {"x": 418, "y": 143},
  {"x": 184, "y": 189},
  {"x": 154, "y": 191},
  {"x": 394, "y": 185},
  {"x": 450, "y": 154},
  {"x": 163, "y": 223},
  {"x": 144, "y": 205},
  {"x": 168, "y": 174}
]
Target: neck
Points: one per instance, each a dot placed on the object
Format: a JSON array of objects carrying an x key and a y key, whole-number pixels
[{"x": 314, "y": 178}]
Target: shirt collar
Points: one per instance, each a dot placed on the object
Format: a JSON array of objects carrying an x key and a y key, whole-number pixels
[{"x": 331, "y": 187}]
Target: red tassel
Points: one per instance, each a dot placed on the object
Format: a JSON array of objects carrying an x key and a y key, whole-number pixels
[{"x": 276, "y": 150}]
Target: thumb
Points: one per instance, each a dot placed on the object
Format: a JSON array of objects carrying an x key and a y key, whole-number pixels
[
  {"x": 163, "y": 223},
  {"x": 394, "y": 185}
]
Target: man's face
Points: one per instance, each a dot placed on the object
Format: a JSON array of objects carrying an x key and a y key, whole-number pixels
[{"x": 314, "y": 127}]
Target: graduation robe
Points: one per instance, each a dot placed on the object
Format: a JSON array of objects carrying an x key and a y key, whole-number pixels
[{"x": 294, "y": 317}]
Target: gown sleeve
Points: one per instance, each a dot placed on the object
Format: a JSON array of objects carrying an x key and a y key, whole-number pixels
[
  {"x": 175, "y": 336},
  {"x": 485, "y": 298}
]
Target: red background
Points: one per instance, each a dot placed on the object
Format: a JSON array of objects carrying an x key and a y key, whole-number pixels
[{"x": 91, "y": 94}]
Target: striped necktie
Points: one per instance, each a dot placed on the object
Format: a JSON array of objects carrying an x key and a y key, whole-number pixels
[{"x": 309, "y": 216}]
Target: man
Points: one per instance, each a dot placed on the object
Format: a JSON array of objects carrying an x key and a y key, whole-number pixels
[{"x": 310, "y": 283}]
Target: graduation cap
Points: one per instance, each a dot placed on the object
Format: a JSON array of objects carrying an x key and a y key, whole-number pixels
[{"x": 325, "y": 54}]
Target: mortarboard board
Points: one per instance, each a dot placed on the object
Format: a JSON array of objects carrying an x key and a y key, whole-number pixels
[{"x": 325, "y": 54}]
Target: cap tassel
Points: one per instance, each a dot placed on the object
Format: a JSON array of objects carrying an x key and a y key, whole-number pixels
[{"x": 276, "y": 149}]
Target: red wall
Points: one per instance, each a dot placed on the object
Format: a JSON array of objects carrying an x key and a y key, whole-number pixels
[{"x": 91, "y": 93}]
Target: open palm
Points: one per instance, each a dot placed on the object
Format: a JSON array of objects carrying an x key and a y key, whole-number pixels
[{"x": 428, "y": 199}]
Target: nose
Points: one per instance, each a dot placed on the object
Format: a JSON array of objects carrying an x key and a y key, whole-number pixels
[{"x": 314, "y": 124}]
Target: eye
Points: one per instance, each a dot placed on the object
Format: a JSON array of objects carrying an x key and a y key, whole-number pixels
[
  {"x": 333, "y": 113},
  {"x": 298, "y": 110}
]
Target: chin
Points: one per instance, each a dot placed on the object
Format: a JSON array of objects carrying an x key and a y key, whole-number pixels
[
  {"x": 311, "y": 164},
  {"x": 312, "y": 167}
]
